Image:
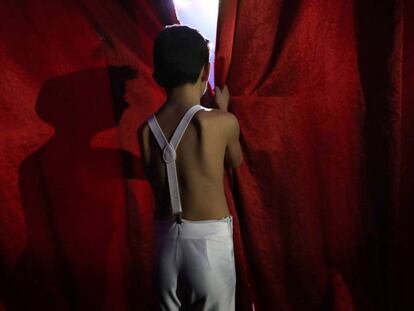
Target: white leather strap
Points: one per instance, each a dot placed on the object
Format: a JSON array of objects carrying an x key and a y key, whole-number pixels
[{"x": 169, "y": 152}]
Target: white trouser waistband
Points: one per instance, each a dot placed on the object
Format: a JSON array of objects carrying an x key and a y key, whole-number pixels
[{"x": 194, "y": 229}]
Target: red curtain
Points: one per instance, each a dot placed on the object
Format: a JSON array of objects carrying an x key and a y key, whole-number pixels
[
  {"x": 75, "y": 213},
  {"x": 322, "y": 91},
  {"x": 322, "y": 204}
]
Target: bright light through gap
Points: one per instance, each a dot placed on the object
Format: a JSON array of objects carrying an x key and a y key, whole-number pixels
[{"x": 201, "y": 15}]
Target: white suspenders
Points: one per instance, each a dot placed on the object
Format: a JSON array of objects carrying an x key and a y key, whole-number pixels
[{"x": 169, "y": 154}]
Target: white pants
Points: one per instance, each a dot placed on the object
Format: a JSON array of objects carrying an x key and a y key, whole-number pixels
[{"x": 194, "y": 266}]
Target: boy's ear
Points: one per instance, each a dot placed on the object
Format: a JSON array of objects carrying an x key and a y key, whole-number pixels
[{"x": 205, "y": 72}]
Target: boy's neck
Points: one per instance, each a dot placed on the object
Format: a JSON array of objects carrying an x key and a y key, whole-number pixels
[{"x": 184, "y": 96}]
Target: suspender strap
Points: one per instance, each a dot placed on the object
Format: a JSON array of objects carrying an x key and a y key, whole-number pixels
[{"x": 169, "y": 152}]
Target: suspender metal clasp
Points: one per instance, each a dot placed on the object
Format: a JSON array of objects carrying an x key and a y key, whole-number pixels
[{"x": 178, "y": 218}]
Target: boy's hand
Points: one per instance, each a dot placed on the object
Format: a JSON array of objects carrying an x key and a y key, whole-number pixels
[{"x": 222, "y": 97}]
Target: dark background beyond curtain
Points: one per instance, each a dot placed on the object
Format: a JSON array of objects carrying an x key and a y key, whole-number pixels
[{"x": 323, "y": 203}]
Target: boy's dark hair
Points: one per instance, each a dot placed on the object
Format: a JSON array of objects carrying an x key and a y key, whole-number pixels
[{"x": 179, "y": 54}]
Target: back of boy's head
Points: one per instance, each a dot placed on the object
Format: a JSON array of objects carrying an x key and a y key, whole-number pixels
[{"x": 179, "y": 54}]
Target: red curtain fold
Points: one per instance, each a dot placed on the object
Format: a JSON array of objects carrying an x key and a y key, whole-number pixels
[
  {"x": 403, "y": 252},
  {"x": 322, "y": 94},
  {"x": 75, "y": 212}
]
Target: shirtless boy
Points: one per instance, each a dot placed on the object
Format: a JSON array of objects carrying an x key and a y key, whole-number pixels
[{"x": 194, "y": 259}]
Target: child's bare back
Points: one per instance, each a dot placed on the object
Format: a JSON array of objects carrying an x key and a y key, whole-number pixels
[{"x": 210, "y": 142}]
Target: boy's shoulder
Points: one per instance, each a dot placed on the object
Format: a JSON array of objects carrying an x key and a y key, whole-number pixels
[
  {"x": 218, "y": 118},
  {"x": 212, "y": 117},
  {"x": 216, "y": 115}
]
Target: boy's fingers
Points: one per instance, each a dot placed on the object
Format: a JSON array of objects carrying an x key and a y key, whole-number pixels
[{"x": 226, "y": 90}]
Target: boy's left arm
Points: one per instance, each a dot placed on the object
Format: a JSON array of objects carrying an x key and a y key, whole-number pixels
[{"x": 144, "y": 149}]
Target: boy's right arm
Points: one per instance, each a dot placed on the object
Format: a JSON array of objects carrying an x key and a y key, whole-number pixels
[{"x": 233, "y": 156}]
